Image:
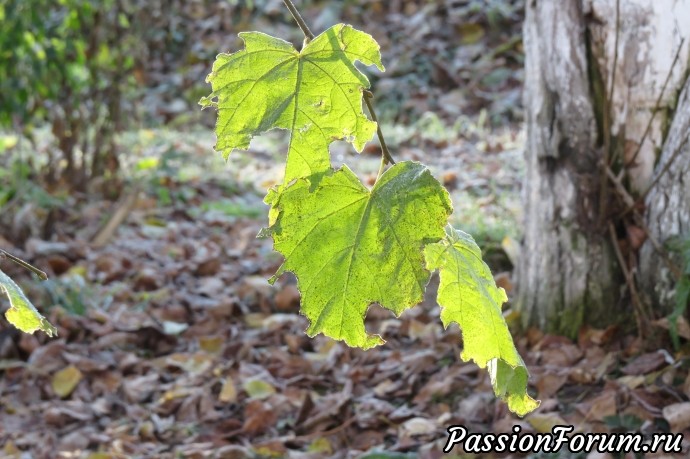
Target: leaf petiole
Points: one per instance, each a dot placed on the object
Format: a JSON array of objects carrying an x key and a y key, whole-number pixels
[
  {"x": 300, "y": 21},
  {"x": 387, "y": 158}
]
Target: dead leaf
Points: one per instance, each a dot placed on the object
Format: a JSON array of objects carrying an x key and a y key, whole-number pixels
[
  {"x": 470, "y": 33},
  {"x": 602, "y": 406},
  {"x": 211, "y": 344},
  {"x": 66, "y": 380},
  {"x": 645, "y": 363},
  {"x": 196, "y": 363},
  {"x": 636, "y": 236},
  {"x": 504, "y": 281},
  {"x": 139, "y": 388},
  {"x": 417, "y": 426},
  {"x": 550, "y": 382},
  {"x": 67, "y": 412},
  {"x": 228, "y": 393},
  {"x": 288, "y": 299},
  {"x": 678, "y": 416},
  {"x": 434, "y": 390},
  {"x": 321, "y": 446},
  {"x": 631, "y": 382},
  {"x": 545, "y": 422},
  {"x": 259, "y": 417},
  {"x": 682, "y": 323},
  {"x": 174, "y": 328},
  {"x": 512, "y": 248},
  {"x": 563, "y": 355},
  {"x": 258, "y": 389}
]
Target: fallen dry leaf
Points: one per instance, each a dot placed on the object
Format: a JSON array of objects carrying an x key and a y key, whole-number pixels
[
  {"x": 211, "y": 344},
  {"x": 682, "y": 324},
  {"x": 550, "y": 382},
  {"x": 259, "y": 416},
  {"x": 646, "y": 363},
  {"x": 678, "y": 416},
  {"x": 545, "y": 422},
  {"x": 287, "y": 299},
  {"x": 66, "y": 380},
  {"x": 602, "y": 406},
  {"x": 258, "y": 389},
  {"x": 417, "y": 426},
  {"x": 228, "y": 393}
]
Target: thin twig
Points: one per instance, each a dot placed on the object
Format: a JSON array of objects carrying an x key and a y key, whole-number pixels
[
  {"x": 384, "y": 148},
  {"x": 300, "y": 21},
  {"x": 657, "y": 106},
  {"x": 629, "y": 282},
  {"x": 124, "y": 208},
  {"x": 622, "y": 192},
  {"x": 23, "y": 264}
]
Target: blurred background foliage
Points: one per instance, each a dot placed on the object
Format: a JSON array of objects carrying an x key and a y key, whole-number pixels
[
  {"x": 67, "y": 65},
  {"x": 79, "y": 79},
  {"x": 89, "y": 69}
]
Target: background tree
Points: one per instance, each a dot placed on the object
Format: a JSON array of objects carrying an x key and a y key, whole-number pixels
[
  {"x": 605, "y": 126},
  {"x": 69, "y": 64}
]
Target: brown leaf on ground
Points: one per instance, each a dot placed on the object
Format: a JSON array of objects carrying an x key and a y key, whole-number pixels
[
  {"x": 550, "y": 381},
  {"x": 287, "y": 299},
  {"x": 646, "y": 363},
  {"x": 258, "y": 418},
  {"x": 678, "y": 416}
]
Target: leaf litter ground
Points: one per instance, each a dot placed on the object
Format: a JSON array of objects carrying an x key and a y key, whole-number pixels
[
  {"x": 184, "y": 350},
  {"x": 172, "y": 344}
]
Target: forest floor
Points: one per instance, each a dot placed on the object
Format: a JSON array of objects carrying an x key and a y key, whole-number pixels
[{"x": 171, "y": 343}]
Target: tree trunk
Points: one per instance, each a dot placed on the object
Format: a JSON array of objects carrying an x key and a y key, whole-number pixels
[
  {"x": 579, "y": 124},
  {"x": 668, "y": 214}
]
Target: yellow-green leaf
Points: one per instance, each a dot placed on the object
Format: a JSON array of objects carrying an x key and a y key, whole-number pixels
[
  {"x": 350, "y": 247},
  {"x": 315, "y": 93},
  {"x": 258, "y": 389},
  {"x": 22, "y": 314},
  {"x": 66, "y": 380},
  {"x": 469, "y": 296},
  {"x": 228, "y": 393}
]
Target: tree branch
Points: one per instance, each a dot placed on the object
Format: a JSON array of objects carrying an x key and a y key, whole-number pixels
[{"x": 23, "y": 264}]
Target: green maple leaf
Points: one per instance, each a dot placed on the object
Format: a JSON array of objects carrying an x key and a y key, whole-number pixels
[
  {"x": 350, "y": 247},
  {"x": 22, "y": 314},
  {"x": 469, "y": 296},
  {"x": 315, "y": 93}
]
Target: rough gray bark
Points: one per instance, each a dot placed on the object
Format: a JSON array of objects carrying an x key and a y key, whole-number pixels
[
  {"x": 668, "y": 208},
  {"x": 635, "y": 43},
  {"x": 566, "y": 267},
  {"x": 595, "y": 70}
]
